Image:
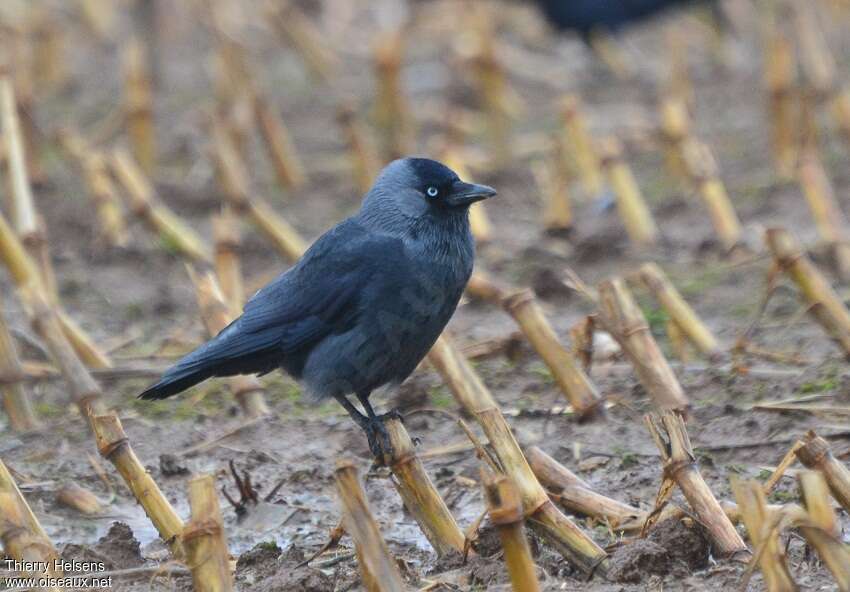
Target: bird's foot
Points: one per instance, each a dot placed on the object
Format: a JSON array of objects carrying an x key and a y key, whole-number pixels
[{"x": 379, "y": 437}]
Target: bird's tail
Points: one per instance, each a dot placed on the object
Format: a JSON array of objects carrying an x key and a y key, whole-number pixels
[{"x": 228, "y": 354}]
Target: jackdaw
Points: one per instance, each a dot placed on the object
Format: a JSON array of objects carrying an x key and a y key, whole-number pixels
[{"x": 364, "y": 304}]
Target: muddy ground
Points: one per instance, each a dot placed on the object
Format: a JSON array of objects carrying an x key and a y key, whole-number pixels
[{"x": 139, "y": 302}]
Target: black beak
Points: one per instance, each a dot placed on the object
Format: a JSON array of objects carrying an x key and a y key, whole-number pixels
[{"x": 464, "y": 194}]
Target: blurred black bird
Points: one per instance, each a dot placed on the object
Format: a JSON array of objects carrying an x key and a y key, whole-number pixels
[
  {"x": 587, "y": 17},
  {"x": 364, "y": 304}
]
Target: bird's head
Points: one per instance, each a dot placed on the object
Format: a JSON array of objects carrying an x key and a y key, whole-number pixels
[{"x": 413, "y": 188}]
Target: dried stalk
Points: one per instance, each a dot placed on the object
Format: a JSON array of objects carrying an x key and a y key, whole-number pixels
[
  {"x": 822, "y": 529},
  {"x": 483, "y": 287},
  {"x": 377, "y": 565},
  {"x": 297, "y": 30},
  {"x": 16, "y": 402},
  {"x": 780, "y": 72},
  {"x": 841, "y": 112},
  {"x": 391, "y": 112},
  {"x": 554, "y": 191},
  {"x": 577, "y": 142},
  {"x": 217, "y": 314},
  {"x": 571, "y": 379},
  {"x": 620, "y": 316},
  {"x": 675, "y": 133},
  {"x": 757, "y": 518},
  {"x": 99, "y": 16},
  {"x": 48, "y": 63},
  {"x": 113, "y": 445},
  {"x": 815, "y": 57},
  {"x": 278, "y": 141},
  {"x": 105, "y": 198},
  {"x": 703, "y": 171},
  {"x": 361, "y": 149},
  {"x": 505, "y": 509},
  {"x": 815, "y": 454},
  {"x": 145, "y": 205},
  {"x": 824, "y": 304},
  {"x": 78, "y": 498},
  {"x": 829, "y": 219},
  {"x": 631, "y": 206},
  {"x": 22, "y": 536},
  {"x": 669, "y": 433},
  {"x": 679, "y": 83},
  {"x": 204, "y": 538},
  {"x": 680, "y": 311},
  {"x": 138, "y": 105},
  {"x": 227, "y": 266},
  {"x": 542, "y": 515},
  {"x": 419, "y": 495},
  {"x": 576, "y": 495}
]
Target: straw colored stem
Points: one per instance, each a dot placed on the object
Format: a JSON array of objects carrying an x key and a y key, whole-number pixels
[
  {"x": 816, "y": 454},
  {"x": 554, "y": 191},
  {"x": 84, "y": 346},
  {"x": 105, "y": 199},
  {"x": 483, "y": 287},
  {"x": 680, "y": 311},
  {"x": 22, "y": 537},
  {"x": 703, "y": 171},
  {"x": 822, "y": 528},
  {"x": 757, "y": 519},
  {"x": 204, "y": 539},
  {"x": 21, "y": 201},
  {"x": 824, "y": 304},
  {"x": 392, "y": 113},
  {"x": 16, "y": 402},
  {"x": 669, "y": 433},
  {"x": 281, "y": 233},
  {"x": 138, "y": 105},
  {"x": 675, "y": 129},
  {"x": 361, "y": 149},
  {"x": 621, "y": 317},
  {"x": 373, "y": 555},
  {"x": 631, "y": 206},
  {"x": 159, "y": 219},
  {"x": 505, "y": 509},
  {"x": 780, "y": 72},
  {"x": 574, "y": 494},
  {"x": 217, "y": 314},
  {"x": 113, "y": 445},
  {"x": 577, "y": 142},
  {"x": 815, "y": 57},
  {"x": 227, "y": 265},
  {"x": 291, "y": 23},
  {"x": 78, "y": 498},
  {"x": 279, "y": 145},
  {"x": 419, "y": 495},
  {"x": 571, "y": 379},
  {"x": 841, "y": 112}
]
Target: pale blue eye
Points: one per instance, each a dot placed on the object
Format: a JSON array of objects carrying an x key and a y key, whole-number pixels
[{"x": 432, "y": 191}]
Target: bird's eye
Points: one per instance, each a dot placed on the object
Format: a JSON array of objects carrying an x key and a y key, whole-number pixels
[{"x": 432, "y": 191}]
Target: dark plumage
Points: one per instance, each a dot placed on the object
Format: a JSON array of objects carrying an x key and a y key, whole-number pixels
[
  {"x": 366, "y": 301},
  {"x": 588, "y": 16}
]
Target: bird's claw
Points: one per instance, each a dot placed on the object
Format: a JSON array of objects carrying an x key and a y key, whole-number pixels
[{"x": 379, "y": 439}]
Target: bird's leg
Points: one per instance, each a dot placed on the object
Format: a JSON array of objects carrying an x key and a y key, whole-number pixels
[{"x": 377, "y": 429}]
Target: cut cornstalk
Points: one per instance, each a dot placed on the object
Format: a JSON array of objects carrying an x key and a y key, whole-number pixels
[
  {"x": 217, "y": 314},
  {"x": 227, "y": 266},
  {"x": 679, "y": 82},
  {"x": 553, "y": 188},
  {"x": 483, "y": 287},
  {"x": 620, "y": 315},
  {"x": 419, "y": 495},
  {"x": 392, "y": 112},
  {"x": 680, "y": 312},
  {"x": 841, "y": 112},
  {"x": 675, "y": 132},
  {"x": 299, "y": 32},
  {"x": 824, "y": 304},
  {"x": 234, "y": 178},
  {"x": 669, "y": 434},
  {"x": 114, "y": 446},
  {"x": 542, "y": 515},
  {"x": 577, "y": 142},
  {"x": 376, "y": 564},
  {"x": 105, "y": 198},
  {"x": 703, "y": 171},
  {"x": 48, "y": 53},
  {"x": 361, "y": 149},
  {"x": 479, "y": 222},
  {"x": 576, "y": 495},
  {"x": 99, "y": 16},
  {"x": 204, "y": 538},
  {"x": 16, "y": 401},
  {"x": 816, "y": 454},
  {"x": 815, "y": 57},
  {"x": 79, "y": 498},
  {"x": 22, "y": 536},
  {"x": 278, "y": 141},
  {"x": 829, "y": 219},
  {"x": 570, "y": 378},
  {"x": 160, "y": 219},
  {"x": 822, "y": 529},
  {"x": 780, "y": 73},
  {"x": 631, "y": 206},
  {"x": 505, "y": 509},
  {"x": 757, "y": 519},
  {"x": 138, "y": 105}
]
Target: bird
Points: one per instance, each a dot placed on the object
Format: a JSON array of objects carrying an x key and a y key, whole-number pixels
[
  {"x": 587, "y": 17},
  {"x": 363, "y": 305}
]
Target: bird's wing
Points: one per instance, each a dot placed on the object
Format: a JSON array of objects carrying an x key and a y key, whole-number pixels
[{"x": 320, "y": 296}]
